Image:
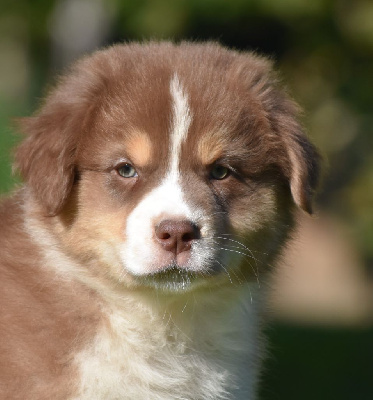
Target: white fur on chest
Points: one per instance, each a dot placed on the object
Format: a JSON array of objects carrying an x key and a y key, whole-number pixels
[{"x": 195, "y": 350}]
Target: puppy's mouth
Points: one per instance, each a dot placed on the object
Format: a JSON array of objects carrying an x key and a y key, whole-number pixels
[
  {"x": 177, "y": 272},
  {"x": 174, "y": 278}
]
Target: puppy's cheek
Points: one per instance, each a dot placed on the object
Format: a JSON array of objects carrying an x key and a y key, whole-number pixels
[
  {"x": 92, "y": 229},
  {"x": 97, "y": 236},
  {"x": 252, "y": 220},
  {"x": 261, "y": 225},
  {"x": 250, "y": 213}
]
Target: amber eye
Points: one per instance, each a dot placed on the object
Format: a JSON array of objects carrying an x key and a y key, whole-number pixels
[
  {"x": 219, "y": 172},
  {"x": 127, "y": 171}
]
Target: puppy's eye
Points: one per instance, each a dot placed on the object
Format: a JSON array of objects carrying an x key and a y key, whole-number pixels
[
  {"x": 127, "y": 171},
  {"x": 219, "y": 172}
]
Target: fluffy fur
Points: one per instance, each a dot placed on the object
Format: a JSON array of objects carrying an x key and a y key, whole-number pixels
[{"x": 160, "y": 181}]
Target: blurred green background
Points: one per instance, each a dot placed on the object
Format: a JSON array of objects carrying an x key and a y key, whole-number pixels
[{"x": 320, "y": 335}]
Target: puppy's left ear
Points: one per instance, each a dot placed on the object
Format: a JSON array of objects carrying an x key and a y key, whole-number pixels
[
  {"x": 302, "y": 164},
  {"x": 304, "y": 170},
  {"x": 289, "y": 148}
]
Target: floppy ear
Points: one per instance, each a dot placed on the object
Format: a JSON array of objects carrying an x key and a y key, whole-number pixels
[
  {"x": 289, "y": 147},
  {"x": 304, "y": 169},
  {"x": 45, "y": 159},
  {"x": 302, "y": 161}
]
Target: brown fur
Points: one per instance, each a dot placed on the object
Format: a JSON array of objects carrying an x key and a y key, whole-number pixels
[
  {"x": 43, "y": 321},
  {"x": 250, "y": 101},
  {"x": 112, "y": 106}
]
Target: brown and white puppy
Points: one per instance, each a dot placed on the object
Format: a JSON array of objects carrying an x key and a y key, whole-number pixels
[{"x": 161, "y": 180}]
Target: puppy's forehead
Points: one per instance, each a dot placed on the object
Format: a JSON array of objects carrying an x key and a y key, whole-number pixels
[
  {"x": 142, "y": 147},
  {"x": 160, "y": 119},
  {"x": 181, "y": 120},
  {"x": 187, "y": 139},
  {"x": 209, "y": 123},
  {"x": 130, "y": 128}
]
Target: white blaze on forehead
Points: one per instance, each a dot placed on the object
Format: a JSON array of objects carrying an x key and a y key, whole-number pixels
[
  {"x": 164, "y": 202},
  {"x": 181, "y": 119}
]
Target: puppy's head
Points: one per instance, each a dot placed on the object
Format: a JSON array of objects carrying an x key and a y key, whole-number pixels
[{"x": 169, "y": 165}]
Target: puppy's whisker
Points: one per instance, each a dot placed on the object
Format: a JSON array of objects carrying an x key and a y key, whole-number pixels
[
  {"x": 245, "y": 255},
  {"x": 179, "y": 329},
  {"x": 239, "y": 243},
  {"x": 186, "y": 303},
  {"x": 247, "y": 258},
  {"x": 234, "y": 271},
  {"x": 249, "y": 255},
  {"x": 222, "y": 266},
  {"x": 242, "y": 245}
]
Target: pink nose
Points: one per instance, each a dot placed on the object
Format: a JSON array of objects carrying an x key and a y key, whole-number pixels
[{"x": 176, "y": 235}]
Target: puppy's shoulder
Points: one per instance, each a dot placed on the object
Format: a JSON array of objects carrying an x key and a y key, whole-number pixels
[
  {"x": 44, "y": 321},
  {"x": 11, "y": 213},
  {"x": 17, "y": 246}
]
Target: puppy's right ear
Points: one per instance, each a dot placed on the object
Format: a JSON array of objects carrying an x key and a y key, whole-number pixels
[{"x": 45, "y": 159}]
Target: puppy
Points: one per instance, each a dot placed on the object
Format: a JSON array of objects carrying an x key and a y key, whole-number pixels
[{"x": 161, "y": 180}]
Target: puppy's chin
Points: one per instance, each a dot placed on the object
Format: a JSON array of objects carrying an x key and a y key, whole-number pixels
[{"x": 173, "y": 278}]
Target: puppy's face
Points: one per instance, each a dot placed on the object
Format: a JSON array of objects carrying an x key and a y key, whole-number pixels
[{"x": 178, "y": 164}]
